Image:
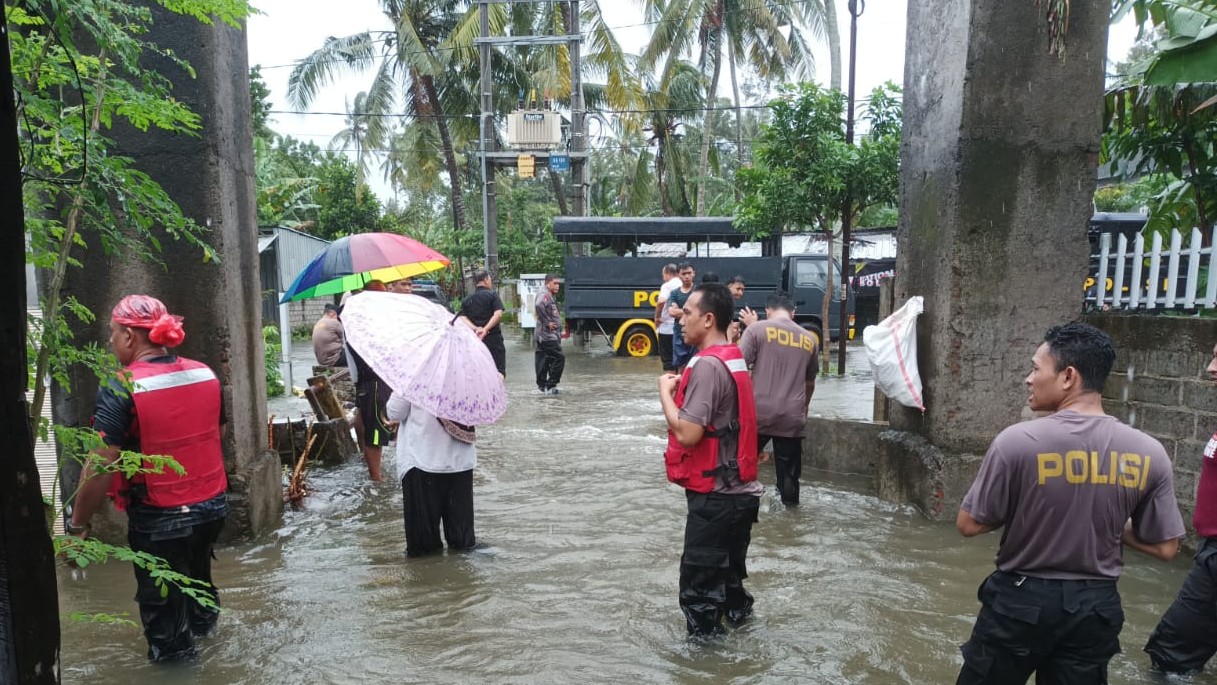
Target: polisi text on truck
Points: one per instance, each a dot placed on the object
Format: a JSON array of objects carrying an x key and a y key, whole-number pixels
[{"x": 641, "y": 296}]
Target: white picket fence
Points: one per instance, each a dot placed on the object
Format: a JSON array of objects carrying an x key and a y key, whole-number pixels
[{"x": 1123, "y": 280}]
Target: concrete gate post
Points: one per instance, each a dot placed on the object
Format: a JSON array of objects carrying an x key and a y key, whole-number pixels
[
  {"x": 997, "y": 175},
  {"x": 211, "y": 178}
]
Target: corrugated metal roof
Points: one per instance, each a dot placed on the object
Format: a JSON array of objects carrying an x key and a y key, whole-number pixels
[
  {"x": 293, "y": 251},
  {"x": 868, "y": 245}
]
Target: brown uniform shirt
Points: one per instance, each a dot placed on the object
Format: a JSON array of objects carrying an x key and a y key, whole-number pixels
[
  {"x": 1064, "y": 485},
  {"x": 783, "y": 356},
  {"x": 710, "y": 400}
]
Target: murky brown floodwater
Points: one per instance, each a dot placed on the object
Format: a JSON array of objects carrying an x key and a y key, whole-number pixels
[{"x": 578, "y": 579}]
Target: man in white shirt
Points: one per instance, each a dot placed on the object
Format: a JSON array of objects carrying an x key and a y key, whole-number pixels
[
  {"x": 436, "y": 458},
  {"x": 663, "y": 319}
]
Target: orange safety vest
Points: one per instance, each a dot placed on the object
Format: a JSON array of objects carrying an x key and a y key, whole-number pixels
[
  {"x": 695, "y": 468},
  {"x": 177, "y": 410}
]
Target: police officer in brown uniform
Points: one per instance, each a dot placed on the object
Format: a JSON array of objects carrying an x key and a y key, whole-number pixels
[{"x": 1067, "y": 489}]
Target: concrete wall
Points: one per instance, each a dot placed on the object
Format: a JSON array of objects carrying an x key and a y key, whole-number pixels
[
  {"x": 1158, "y": 385},
  {"x": 211, "y": 178},
  {"x": 306, "y": 312},
  {"x": 997, "y": 168}
]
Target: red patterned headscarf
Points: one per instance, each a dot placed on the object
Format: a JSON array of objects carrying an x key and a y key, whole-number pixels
[{"x": 144, "y": 311}]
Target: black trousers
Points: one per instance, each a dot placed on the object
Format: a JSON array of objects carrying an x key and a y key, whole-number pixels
[
  {"x": 1064, "y": 631},
  {"x": 549, "y": 362},
  {"x": 171, "y": 622},
  {"x": 787, "y": 463},
  {"x": 718, "y": 530},
  {"x": 1186, "y": 637},
  {"x": 497, "y": 351},
  {"x": 665, "y": 351},
  {"x": 434, "y": 498}
]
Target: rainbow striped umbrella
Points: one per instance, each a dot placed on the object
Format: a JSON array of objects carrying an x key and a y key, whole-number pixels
[{"x": 349, "y": 263}]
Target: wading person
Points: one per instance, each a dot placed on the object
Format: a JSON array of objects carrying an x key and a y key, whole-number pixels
[
  {"x": 664, "y": 318},
  {"x": 484, "y": 310},
  {"x": 712, "y": 454},
  {"x": 783, "y": 358},
  {"x": 1068, "y": 488},
  {"x": 172, "y": 408},
  {"x": 548, "y": 357},
  {"x": 1186, "y": 637},
  {"x": 681, "y": 352},
  {"x": 371, "y": 395},
  {"x": 436, "y": 458},
  {"x": 327, "y": 338}
]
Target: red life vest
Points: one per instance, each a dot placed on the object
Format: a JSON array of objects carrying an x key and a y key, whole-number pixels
[
  {"x": 695, "y": 468},
  {"x": 1205, "y": 517},
  {"x": 177, "y": 413}
]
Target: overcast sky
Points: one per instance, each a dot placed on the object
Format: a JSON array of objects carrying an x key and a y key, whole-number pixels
[{"x": 287, "y": 30}]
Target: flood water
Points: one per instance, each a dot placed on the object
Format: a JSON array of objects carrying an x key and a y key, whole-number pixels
[{"x": 577, "y": 579}]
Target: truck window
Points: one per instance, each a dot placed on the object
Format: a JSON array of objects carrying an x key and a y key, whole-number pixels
[{"x": 813, "y": 273}]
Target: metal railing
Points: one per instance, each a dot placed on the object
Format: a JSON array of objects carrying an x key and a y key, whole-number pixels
[{"x": 1124, "y": 279}]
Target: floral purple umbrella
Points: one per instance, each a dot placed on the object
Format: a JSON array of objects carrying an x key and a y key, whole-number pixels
[{"x": 425, "y": 354}]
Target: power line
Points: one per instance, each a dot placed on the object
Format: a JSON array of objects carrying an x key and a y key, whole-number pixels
[
  {"x": 670, "y": 110},
  {"x": 585, "y": 34}
]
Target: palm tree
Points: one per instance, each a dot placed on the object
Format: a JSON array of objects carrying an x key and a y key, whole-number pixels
[
  {"x": 355, "y": 134},
  {"x": 413, "y": 63},
  {"x": 770, "y": 36}
]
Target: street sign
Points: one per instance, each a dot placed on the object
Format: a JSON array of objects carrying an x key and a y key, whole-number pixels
[
  {"x": 526, "y": 166},
  {"x": 559, "y": 163}
]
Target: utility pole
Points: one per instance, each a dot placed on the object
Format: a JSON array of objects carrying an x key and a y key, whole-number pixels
[
  {"x": 490, "y": 212},
  {"x": 856, "y": 8},
  {"x": 492, "y": 157},
  {"x": 578, "y": 137},
  {"x": 29, "y": 602}
]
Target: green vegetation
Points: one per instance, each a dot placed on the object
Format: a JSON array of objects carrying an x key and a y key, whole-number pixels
[{"x": 78, "y": 74}]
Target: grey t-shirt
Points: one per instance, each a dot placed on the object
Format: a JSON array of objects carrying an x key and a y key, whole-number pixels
[
  {"x": 783, "y": 357},
  {"x": 547, "y": 313},
  {"x": 710, "y": 401},
  {"x": 1064, "y": 485}
]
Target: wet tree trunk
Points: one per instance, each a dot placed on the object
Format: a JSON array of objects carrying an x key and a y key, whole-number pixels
[
  {"x": 425, "y": 87},
  {"x": 29, "y": 604},
  {"x": 707, "y": 128},
  {"x": 833, "y": 28}
]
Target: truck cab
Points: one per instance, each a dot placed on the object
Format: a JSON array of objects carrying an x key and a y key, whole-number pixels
[{"x": 613, "y": 295}]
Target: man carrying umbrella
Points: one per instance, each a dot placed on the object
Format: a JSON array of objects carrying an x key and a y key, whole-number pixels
[
  {"x": 371, "y": 396},
  {"x": 436, "y": 458}
]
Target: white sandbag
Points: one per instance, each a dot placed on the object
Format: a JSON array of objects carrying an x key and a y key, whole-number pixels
[{"x": 891, "y": 347}]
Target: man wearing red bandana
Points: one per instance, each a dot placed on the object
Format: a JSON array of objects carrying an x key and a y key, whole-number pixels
[{"x": 171, "y": 407}]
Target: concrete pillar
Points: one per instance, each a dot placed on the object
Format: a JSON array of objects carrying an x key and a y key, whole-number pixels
[
  {"x": 211, "y": 178},
  {"x": 997, "y": 172}
]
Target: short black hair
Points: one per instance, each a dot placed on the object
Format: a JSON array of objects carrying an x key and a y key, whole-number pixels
[
  {"x": 737, "y": 279},
  {"x": 779, "y": 300},
  {"x": 716, "y": 300},
  {"x": 710, "y": 277},
  {"x": 331, "y": 307},
  {"x": 671, "y": 268},
  {"x": 684, "y": 265},
  {"x": 551, "y": 277},
  {"x": 480, "y": 275},
  {"x": 1085, "y": 348}
]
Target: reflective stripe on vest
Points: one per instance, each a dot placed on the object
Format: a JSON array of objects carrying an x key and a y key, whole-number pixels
[
  {"x": 177, "y": 408},
  {"x": 695, "y": 468}
]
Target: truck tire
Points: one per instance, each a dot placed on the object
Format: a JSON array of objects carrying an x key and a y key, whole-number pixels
[{"x": 638, "y": 341}]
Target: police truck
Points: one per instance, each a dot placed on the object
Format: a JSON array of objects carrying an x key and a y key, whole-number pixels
[{"x": 612, "y": 294}]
